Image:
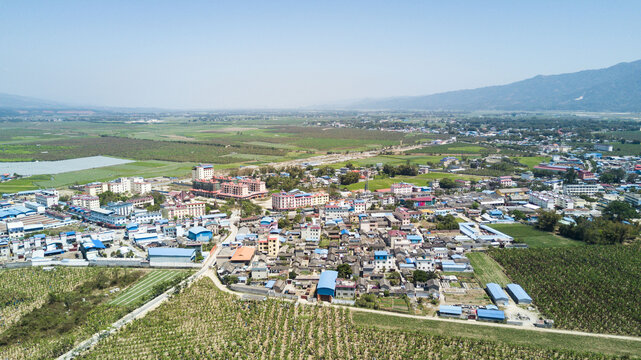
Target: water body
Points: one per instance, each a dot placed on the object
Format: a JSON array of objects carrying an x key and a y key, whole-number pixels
[{"x": 28, "y": 168}]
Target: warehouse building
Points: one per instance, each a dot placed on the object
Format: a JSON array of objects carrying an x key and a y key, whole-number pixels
[
  {"x": 497, "y": 294},
  {"x": 165, "y": 256},
  {"x": 326, "y": 285},
  {"x": 199, "y": 233},
  {"x": 518, "y": 294},
  {"x": 490, "y": 315},
  {"x": 450, "y": 310}
]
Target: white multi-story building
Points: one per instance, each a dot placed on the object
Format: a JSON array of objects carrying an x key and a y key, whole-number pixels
[
  {"x": 401, "y": 189},
  {"x": 96, "y": 188},
  {"x": 581, "y": 189},
  {"x": 297, "y": 199},
  {"x": 184, "y": 210},
  {"x": 383, "y": 261},
  {"x": 15, "y": 229},
  {"x": 633, "y": 199},
  {"x": 360, "y": 206},
  {"x": 506, "y": 181},
  {"x": 425, "y": 264},
  {"x": 146, "y": 217},
  {"x": 141, "y": 187},
  {"x": 310, "y": 232},
  {"x": 119, "y": 186},
  {"x": 86, "y": 201},
  {"x": 202, "y": 172},
  {"x": 48, "y": 198},
  {"x": 549, "y": 200}
]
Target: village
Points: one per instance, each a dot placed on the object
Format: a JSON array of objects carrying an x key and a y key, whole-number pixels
[{"x": 405, "y": 248}]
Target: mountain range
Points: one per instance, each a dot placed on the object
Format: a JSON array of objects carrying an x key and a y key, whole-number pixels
[{"x": 613, "y": 89}]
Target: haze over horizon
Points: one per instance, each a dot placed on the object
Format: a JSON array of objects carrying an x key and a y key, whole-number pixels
[{"x": 199, "y": 55}]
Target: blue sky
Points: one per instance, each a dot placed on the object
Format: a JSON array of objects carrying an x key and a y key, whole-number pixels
[{"x": 275, "y": 54}]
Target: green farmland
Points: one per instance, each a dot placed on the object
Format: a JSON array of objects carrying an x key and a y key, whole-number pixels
[
  {"x": 144, "y": 287},
  {"x": 455, "y": 149},
  {"x": 392, "y": 160},
  {"x": 510, "y": 336},
  {"x": 486, "y": 270},
  {"x": 535, "y": 238},
  {"x": 419, "y": 180}
]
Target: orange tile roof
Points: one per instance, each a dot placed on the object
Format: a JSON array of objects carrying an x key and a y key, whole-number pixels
[{"x": 243, "y": 253}]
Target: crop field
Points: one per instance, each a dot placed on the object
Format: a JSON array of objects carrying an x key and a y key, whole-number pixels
[
  {"x": 486, "y": 269},
  {"x": 184, "y": 141},
  {"x": 144, "y": 287},
  {"x": 587, "y": 288},
  {"x": 454, "y": 148},
  {"x": 138, "y": 149},
  {"x": 392, "y": 160},
  {"x": 419, "y": 180},
  {"x": 22, "y": 290},
  {"x": 45, "y": 313},
  {"x": 535, "y": 238},
  {"x": 204, "y": 323},
  {"x": 575, "y": 344}
]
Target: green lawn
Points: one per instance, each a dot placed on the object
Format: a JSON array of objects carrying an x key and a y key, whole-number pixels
[
  {"x": 532, "y": 161},
  {"x": 420, "y": 180},
  {"x": 535, "y": 238},
  {"x": 145, "y": 286},
  {"x": 502, "y": 335},
  {"x": 487, "y": 270}
]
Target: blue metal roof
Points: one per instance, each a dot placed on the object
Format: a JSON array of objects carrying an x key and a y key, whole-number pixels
[
  {"x": 327, "y": 282},
  {"x": 98, "y": 244},
  {"x": 380, "y": 253},
  {"x": 518, "y": 294},
  {"x": 490, "y": 314},
  {"x": 450, "y": 310},
  {"x": 198, "y": 230},
  {"x": 171, "y": 252},
  {"x": 270, "y": 284},
  {"x": 496, "y": 292},
  {"x": 54, "y": 252}
]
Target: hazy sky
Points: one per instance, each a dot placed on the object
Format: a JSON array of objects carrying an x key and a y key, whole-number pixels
[{"x": 245, "y": 54}]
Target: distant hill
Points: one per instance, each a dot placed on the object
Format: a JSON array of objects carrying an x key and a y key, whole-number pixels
[
  {"x": 8, "y": 101},
  {"x": 614, "y": 89}
]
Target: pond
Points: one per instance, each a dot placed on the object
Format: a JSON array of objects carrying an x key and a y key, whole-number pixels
[{"x": 55, "y": 167}]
